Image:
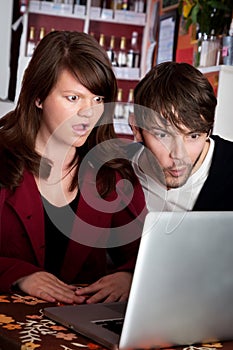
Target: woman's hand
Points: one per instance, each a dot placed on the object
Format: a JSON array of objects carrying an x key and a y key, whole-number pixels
[
  {"x": 46, "y": 286},
  {"x": 107, "y": 289}
]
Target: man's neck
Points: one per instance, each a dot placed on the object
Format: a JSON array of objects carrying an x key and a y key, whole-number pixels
[{"x": 202, "y": 156}]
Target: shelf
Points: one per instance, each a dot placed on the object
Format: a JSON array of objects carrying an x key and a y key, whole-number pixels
[
  {"x": 79, "y": 12},
  {"x": 58, "y": 10},
  {"x": 211, "y": 69},
  {"x": 78, "y": 15},
  {"x": 126, "y": 73},
  {"x": 119, "y": 17},
  {"x": 121, "y": 126}
]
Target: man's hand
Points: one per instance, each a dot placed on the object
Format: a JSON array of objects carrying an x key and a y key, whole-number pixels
[{"x": 107, "y": 289}]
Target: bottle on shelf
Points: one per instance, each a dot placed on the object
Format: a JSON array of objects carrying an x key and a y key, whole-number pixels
[
  {"x": 106, "y": 4},
  {"x": 111, "y": 51},
  {"x": 139, "y": 6},
  {"x": 133, "y": 55},
  {"x": 102, "y": 41},
  {"x": 125, "y": 5},
  {"x": 129, "y": 105},
  {"x": 81, "y": 2},
  {"x": 23, "y": 6},
  {"x": 131, "y": 5},
  {"x": 96, "y": 3},
  {"x": 31, "y": 44},
  {"x": 119, "y": 106},
  {"x": 122, "y": 54},
  {"x": 231, "y": 28},
  {"x": 117, "y": 4},
  {"x": 41, "y": 34},
  {"x": 129, "y": 108}
]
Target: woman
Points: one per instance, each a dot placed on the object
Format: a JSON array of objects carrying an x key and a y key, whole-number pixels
[{"x": 66, "y": 186}]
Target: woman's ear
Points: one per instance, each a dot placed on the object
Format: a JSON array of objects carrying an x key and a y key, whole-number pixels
[
  {"x": 38, "y": 103},
  {"x": 135, "y": 129}
]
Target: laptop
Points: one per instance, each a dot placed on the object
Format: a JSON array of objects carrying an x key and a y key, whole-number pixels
[{"x": 182, "y": 288}]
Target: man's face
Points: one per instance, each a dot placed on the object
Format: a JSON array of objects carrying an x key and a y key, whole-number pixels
[{"x": 174, "y": 155}]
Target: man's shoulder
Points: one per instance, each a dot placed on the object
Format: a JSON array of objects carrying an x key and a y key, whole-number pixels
[
  {"x": 132, "y": 149},
  {"x": 220, "y": 141},
  {"x": 223, "y": 153},
  {"x": 222, "y": 147}
]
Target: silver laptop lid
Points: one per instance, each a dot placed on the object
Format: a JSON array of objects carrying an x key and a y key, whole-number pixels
[{"x": 182, "y": 290}]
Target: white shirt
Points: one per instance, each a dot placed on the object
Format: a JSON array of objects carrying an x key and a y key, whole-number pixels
[{"x": 183, "y": 198}]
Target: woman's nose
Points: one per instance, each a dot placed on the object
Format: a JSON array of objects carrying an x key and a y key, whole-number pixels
[{"x": 85, "y": 108}]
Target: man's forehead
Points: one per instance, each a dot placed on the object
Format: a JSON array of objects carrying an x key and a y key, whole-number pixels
[{"x": 158, "y": 122}]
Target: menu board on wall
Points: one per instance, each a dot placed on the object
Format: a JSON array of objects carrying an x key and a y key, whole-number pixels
[{"x": 168, "y": 31}]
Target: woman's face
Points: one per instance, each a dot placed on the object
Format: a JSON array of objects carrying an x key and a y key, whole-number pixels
[{"x": 70, "y": 112}]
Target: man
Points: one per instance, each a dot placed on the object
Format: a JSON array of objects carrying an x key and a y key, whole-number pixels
[{"x": 181, "y": 165}]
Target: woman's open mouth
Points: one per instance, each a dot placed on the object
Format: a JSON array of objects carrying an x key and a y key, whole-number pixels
[{"x": 80, "y": 129}]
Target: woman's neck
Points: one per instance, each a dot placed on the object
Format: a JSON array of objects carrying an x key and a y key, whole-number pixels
[{"x": 56, "y": 188}]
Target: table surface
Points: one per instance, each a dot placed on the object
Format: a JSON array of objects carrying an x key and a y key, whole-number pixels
[{"x": 24, "y": 327}]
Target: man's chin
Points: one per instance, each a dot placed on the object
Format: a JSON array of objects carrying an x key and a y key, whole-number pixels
[{"x": 175, "y": 183}]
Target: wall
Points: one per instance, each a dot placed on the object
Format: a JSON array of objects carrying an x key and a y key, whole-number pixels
[
  {"x": 5, "y": 38},
  {"x": 223, "y": 117},
  {"x": 184, "y": 51}
]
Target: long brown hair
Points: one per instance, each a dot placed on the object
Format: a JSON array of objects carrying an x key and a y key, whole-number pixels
[{"x": 88, "y": 62}]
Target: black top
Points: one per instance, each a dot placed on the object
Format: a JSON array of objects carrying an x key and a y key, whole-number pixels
[
  {"x": 217, "y": 191},
  {"x": 56, "y": 241}
]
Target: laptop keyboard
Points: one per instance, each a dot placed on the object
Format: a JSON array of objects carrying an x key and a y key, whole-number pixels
[{"x": 114, "y": 325}]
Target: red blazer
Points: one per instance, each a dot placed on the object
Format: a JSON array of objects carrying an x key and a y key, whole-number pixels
[{"x": 22, "y": 238}]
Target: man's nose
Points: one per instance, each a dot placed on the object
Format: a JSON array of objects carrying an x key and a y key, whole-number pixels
[{"x": 177, "y": 150}]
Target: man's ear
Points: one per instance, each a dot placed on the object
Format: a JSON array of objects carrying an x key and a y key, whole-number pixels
[
  {"x": 135, "y": 129},
  {"x": 38, "y": 103}
]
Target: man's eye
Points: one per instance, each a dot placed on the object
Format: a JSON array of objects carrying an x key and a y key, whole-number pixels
[
  {"x": 194, "y": 136},
  {"x": 72, "y": 98},
  {"x": 160, "y": 135},
  {"x": 98, "y": 99}
]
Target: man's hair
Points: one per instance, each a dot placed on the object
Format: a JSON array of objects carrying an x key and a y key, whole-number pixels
[{"x": 179, "y": 94}]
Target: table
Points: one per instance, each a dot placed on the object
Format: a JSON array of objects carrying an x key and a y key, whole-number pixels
[{"x": 24, "y": 327}]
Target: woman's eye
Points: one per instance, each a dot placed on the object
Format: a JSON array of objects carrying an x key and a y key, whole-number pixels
[
  {"x": 99, "y": 99},
  {"x": 72, "y": 98}
]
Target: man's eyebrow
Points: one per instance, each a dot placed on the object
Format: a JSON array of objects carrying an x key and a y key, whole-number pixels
[
  {"x": 160, "y": 128},
  {"x": 169, "y": 131},
  {"x": 154, "y": 129},
  {"x": 193, "y": 132}
]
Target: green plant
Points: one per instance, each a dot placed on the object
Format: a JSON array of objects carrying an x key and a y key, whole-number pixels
[{"x": 209, "y": 15}]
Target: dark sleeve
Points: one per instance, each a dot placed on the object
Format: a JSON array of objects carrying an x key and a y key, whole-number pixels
[
  {"x": 16, "y": 255},
  {"x": 11, "y": 270}
]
